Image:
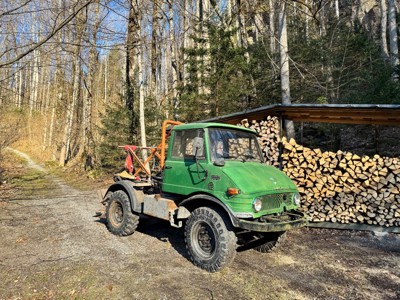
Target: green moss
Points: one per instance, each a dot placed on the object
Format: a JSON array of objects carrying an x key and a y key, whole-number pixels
[{"x": 33, "y": 182}]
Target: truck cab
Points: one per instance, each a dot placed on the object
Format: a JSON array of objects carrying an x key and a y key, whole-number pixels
[{"x": 226, "y": 162}]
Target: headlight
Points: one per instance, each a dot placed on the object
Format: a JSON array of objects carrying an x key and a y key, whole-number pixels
[
  {"x": 257, "y": 205},
  {"x": 297, "y": 199}
]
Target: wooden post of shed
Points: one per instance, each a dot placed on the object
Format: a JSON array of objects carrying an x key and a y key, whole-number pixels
[{"x": 280, "y": 144}]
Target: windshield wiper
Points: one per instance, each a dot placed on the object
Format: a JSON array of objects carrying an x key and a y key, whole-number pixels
[{"x": 247, "y": 155}]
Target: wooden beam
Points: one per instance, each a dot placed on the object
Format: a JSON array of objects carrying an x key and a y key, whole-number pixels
[{"x": 388, "y": 115}]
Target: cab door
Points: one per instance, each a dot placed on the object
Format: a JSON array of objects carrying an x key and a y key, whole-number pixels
[{"x": 182, "y": 174}]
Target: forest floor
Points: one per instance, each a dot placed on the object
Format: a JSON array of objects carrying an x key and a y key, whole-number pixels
[{"x": 53, "y": 248}]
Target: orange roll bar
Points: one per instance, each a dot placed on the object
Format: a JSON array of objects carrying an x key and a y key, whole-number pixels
[{"x": 164, "y": 137}]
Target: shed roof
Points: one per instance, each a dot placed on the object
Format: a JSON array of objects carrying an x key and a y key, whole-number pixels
[{"x": 377, "y": 114}]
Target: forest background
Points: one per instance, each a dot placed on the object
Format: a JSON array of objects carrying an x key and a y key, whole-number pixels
[{"x": 80, "y": 77}]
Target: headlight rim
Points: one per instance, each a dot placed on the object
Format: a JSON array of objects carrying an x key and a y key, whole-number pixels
[
  {"x": 257, "y": 204},
  {"x": 297, "y": 199}
]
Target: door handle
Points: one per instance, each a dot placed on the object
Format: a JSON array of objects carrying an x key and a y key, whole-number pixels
[{"x": 168, "y": 167}]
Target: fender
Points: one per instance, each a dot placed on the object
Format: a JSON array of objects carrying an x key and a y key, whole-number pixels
[
  {"x": 195, "y": 201},
  {"x": 135, "y": 197}
]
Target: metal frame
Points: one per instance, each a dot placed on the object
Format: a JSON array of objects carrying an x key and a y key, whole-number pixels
[{"x": 158, "y": 151}]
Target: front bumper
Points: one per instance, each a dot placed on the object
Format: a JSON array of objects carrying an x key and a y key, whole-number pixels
[{"x": 284, "y": 222}]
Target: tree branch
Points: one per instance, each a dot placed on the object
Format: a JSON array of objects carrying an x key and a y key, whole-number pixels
[
  {"x": 48, "y": 37},
  {"x": 14, "y": 9}
]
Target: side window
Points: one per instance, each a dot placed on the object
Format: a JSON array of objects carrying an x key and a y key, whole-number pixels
[{"x": 183, "y": 143}]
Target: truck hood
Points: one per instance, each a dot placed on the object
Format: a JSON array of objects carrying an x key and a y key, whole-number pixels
[{"x": 253, "y": 178}]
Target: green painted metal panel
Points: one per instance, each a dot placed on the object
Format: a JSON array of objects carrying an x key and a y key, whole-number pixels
[{"x": 183, "y": 176}]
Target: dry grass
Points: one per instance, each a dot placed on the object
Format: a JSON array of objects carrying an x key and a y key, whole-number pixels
[{"x": 11, "y": 128}]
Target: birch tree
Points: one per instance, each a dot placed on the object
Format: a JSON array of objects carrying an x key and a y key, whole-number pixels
[
  {"x": 393, "y": 39},
  {"x": 173, "y": 60},
  {"x": 132, "y": 46},
  {"x": 284, "y": 65},
  {"x": 135, "y": 62},
  {"x": 65, "y": 153},
  {"x": 85, "y": 132},
  {"x": 383, "y": 27},
  {"x": 272, "y": 25}
]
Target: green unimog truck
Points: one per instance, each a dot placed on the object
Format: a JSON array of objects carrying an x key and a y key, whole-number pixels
[{"x": 211, "y": 178}]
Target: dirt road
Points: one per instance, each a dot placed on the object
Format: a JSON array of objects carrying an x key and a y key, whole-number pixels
[{"x": 53, "y": 248}]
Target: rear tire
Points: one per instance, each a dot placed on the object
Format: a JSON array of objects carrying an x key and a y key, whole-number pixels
[
  {"x": 210, "y": 239},
  {"x": 119, "y": 217},
  {"x": 272, "y": 241}
]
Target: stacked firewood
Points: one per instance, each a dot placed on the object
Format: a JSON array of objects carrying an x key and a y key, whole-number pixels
[
  {"x": 269, "y": 137},
  {"x": 344, "y": 187}
]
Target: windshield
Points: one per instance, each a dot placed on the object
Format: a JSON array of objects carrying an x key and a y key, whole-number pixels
[{"x": 234, "y": 145}]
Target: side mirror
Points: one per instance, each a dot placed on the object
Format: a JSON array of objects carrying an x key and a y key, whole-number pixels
[
  {"x": 219, "y": 162},
  {"x": 198, "y": 147}
]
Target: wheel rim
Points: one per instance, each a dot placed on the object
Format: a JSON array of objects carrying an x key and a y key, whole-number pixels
[
  {"x": 116, "y": 214},
  {"x": 204, "y": 240}
]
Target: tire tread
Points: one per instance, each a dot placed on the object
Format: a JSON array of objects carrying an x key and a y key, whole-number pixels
[
  {"x": 227, "y": 238},
  {"x": 131, "y": 220}
]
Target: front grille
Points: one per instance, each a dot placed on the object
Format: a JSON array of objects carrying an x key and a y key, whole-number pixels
[{"x": 276, "y": 200}]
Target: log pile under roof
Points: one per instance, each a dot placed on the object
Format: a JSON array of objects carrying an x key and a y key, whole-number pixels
[
  {"x": 344, "y": 187},
  {"x": 336, "y": 186}
]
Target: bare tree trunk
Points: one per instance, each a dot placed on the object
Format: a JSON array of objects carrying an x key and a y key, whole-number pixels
[
  {"x": 355, "y": 12},
  {"x": 46, "y": 91},
  {"x": 259, "y": 22},
  {"x": 86, "y": 128},
  {"x": 393, "y": 39},
  {"x": 135, "y": 59},
  {"x": 52, "y": 119},
  {"x": 166, "y": 64},
  {"x": 46, "y": 97},
  {"x": 173, "y": 63},
  {"x": 236, "y": 11},
  {"x": 132, "y": 48},
  {"x": 284, "y": 66},
  {"x": 106, "y": 80},
  {"x": 16, "y": 88},
  {"x": 272, "y": 25},
  {"x": 244, "y": 40},
  {"x": 154, "y": 57},
  {"x": 322, "y": 23},
  {"x": 53, "y": 123},
  {"x": 384, "y": 46},
  {"x": 142, "y": 124},
  {"x": 186, "y": 39},
  {"x": 241, "y": 22},
  {"x": 307, "y": 29},
  {"x": 337, "y": 12},
  {"x": 34, "y": 81},
  {"x": 65, "y": 150},
  {"x": 20, "y": 86},
  {"x": 58, "y": 97},
  {"x": 204, "y": 14}
]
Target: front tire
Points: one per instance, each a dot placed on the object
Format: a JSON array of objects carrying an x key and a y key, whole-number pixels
[
  {"x": 119, "y": 217},
  {"x": 209, "y": 238}
]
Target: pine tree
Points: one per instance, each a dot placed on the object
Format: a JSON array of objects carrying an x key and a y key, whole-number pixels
[
  {"x": 115, "y": 132},
  {"x": 228, "y": 79}
]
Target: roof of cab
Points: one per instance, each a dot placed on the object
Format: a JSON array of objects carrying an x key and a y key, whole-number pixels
[{"x": 211, "y": 125}]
